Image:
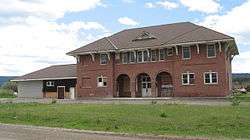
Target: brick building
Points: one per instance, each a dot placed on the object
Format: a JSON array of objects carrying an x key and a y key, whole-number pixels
[{"x": 180, "y": 59}]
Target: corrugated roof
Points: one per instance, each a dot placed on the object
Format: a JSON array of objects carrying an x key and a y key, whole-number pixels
[
  {"x": 164, "y": 34},
  {"x": 52, "y": 72}
]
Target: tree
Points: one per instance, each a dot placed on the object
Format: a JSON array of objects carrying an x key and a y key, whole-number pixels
[
  {"x": 248, "y": 88},
  {"x": 10, "y": 86}
]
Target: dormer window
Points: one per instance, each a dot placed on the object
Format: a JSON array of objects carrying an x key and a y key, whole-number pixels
[{"x": 144, "y": 36}]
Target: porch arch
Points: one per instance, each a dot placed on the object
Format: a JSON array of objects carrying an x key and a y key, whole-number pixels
[
  {"x": 164, "y": 84},
  {"x": 123, "y": 85},
  {"x": 143, "y": 85}
]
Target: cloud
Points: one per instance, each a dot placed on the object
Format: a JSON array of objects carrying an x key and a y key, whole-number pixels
[
  {"x": 31, "y": 38},
  {"x": 241, "y": 63},
  {"x": 165, "y": 4},
  {"x": 204, "y": 6},
  {"x": 53, "y": 9},
  {"x": 127, "y": 21},
  {"x": 128, "y": 1},
  {"x": 235, "y": 22}
]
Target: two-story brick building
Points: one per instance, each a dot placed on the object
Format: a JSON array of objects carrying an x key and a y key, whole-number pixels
[{"x": 180, "y": 59}]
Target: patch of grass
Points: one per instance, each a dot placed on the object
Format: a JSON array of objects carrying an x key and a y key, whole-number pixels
[
  {"x": 244, "y": 97},
  {"x": 181, "y": 120},
  {"x": 5, "y": 93}
]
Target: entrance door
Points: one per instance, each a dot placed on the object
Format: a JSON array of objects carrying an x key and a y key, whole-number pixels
[
  {"x": 145, "y": 85},
  {"x": 60, "y": 92}
]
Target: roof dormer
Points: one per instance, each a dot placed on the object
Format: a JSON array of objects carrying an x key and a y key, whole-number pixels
[{"x": 144, "y": 36}]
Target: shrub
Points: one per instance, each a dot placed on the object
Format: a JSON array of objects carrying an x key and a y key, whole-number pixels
[
  {"x": 234, "y": 99},
  {"x": 53, "y": 101},
  {"x": 10, "y": 86},
  {"x": 163, "y": 115},
  {"x": 153, "y": 102},
  {"x": 6, "y": 93}
]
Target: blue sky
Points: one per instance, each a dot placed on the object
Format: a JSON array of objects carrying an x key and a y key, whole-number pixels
[{"x": 37, "y": 33}]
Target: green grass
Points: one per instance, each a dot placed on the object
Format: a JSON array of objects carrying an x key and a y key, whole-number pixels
[
  {"x": 244, "y": 97},
  {"x": 181, "y": 120},
  {"x": 5, "y": 93}
]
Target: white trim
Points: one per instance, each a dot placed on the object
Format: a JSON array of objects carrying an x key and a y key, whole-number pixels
[
  {"x": 92, "y": 56},
  {"x": 189, "y": 48},
  {"x": 210, "y": 78},
  {"x": 215, "y": 54},
  {"x": 160, "y": 54},
  {"x": 198, "y": 48},
  {"x": 103, "y": 77},
  {"x": 41, "y": 79},
  {"x": 219, "y": 46},
  {"x": 176, "y": 50},
  {"x": 188, "y": 78},
  {"x": 111, "y": 43},
  {"x": 155, "y": 50},
  {"x": 156, "y": 47},
  {"x": 172, "y": 51},
  {"x": 50, "y": 83}
]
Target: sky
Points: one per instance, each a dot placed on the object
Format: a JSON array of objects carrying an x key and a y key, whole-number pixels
[{"x": 38, "y": 33}]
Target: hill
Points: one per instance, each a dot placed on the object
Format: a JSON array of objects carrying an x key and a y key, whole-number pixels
[{"x": 4, "y": 79}]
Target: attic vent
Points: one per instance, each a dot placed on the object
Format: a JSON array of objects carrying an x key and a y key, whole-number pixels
[{"x": 144, "y": 36}]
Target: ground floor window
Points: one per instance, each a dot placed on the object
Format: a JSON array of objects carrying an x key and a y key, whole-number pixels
[
  {"x": 187, "y": 78},
  {"x": 210, "y": 77},
  {"x": 101, "y": 81}
]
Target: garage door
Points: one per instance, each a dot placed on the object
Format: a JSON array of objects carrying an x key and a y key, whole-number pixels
[{"x": 30, "y": 89}]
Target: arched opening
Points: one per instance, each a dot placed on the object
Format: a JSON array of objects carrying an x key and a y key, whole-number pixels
[
  {"x": 143, "y": 85},
  {"x": 123, "y": 86},
  {"x": 164, "y": 84}
]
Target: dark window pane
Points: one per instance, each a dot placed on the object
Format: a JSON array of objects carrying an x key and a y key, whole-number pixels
[
  {"x": 186, "y": 52},
  {"x": 139, "y": 56},
  {"x": 104, "y": 58},
  {"x": 211, "y": 51},
  {"x": 162, "y": 54},
  {"x": 207, "y": 78},
  {"x": 214, "y": 77}
]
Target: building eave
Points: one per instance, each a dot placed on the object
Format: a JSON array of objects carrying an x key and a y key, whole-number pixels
[{"x": 41, "y": 79}]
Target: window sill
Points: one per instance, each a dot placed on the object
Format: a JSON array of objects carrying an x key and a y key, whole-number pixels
[
  {"x": 188, "y": 84},
  {"x": 211, "y": 83}
]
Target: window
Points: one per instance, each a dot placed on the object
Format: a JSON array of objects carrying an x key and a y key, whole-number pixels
[
  {"x": 145, "y": 56},
  {"x": 162, "y": 54},
  {"x": 142, "y": 56},
  {"x": 170, "y": 51},
  {"x": 210, "y": 77},
  {"x": 125, "y": 58},
  {"x": 131, "y": 57},
  {"x": 50, "y": 83},
  {"x": 153, "y": 55},
  {"x": 102, "y": 81},
  {"x": 186, "y": 53},
  {"x": 103, "y": 58},
  {"x": 187, "y": 78},
  {"x": 211, "y": 51}
]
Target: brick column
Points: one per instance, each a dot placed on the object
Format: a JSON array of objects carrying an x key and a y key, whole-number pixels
[
  {"x": 132, "y": 87},
  {"x": 153, "y": 88}
]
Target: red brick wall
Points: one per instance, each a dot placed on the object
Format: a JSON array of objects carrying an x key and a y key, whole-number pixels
[{"x": 175, "y": 65}]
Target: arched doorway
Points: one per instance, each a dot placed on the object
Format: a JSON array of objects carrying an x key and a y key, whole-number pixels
[
  {"x": 164, "y": 84},
  {"x": 143, "y": 85},
  {"x": 123, "y": 86}
]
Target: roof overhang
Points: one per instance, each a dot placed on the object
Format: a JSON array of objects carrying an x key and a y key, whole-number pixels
[{"x": 41, "y": 79}]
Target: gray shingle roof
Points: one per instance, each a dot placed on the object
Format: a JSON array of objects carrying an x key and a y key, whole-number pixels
[
  {"x": 51, "y": 73},
  {"x": 169, "y": 34}
]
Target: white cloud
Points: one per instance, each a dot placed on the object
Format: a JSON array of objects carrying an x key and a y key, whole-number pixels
[
  {"x": 236, "y": 23},
  {"x": 127, "y": 21},
  {"x": 165, "y": 4},
  {"x": 241, "y": 63},
  {"x": 31, "y": 38},
  {"x": 204, "y": 6},
  {"x": 47, "y": 8},
  {"x": 128, "y": 1}
]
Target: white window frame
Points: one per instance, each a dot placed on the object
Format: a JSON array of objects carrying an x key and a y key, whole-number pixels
[
  {"x": 130, "y": 54},
  {"x": 210, "y": 78},
  {"x": 189, "y": 48},
  {"x": 214, "y": 51},
  {"x": 50, "y": 83},
  {"x": 137, "y": 57},
  {"x": 101, "y": 84},
  {"x": 160, "y": 54},
  {"x": 188, "y": 78},
  {"x": 172, "y": 51},
  {"x": 151, "y": 54},
  {"x": 101, "y": 59},
  {"x": 143, "y": 61},
  {"x": 123, "y": 54}
]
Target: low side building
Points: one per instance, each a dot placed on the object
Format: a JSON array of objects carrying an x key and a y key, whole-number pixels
[{"x": 57, "y": 81}]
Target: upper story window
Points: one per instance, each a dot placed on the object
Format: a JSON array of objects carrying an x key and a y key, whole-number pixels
[
  {"x": 162, "y": 54},
  {"x": 103, "y": 58},
  {"x": 139, "y": 56},
  {"x": 211, "y": 78},
  {"x": 187, "y": 78},
  {"x": 170, "y": 51},
  {"x": 211, "y": 51},
  {"x": 186, "y": 52},
  {"x": 125, "y": 58},
  {"x": 102, "y": 81},
  {"x": 153, "y": 55},
  {"x": 50, "y": 83},
  {"x": 142, "y": 56},
  {"x": 145, "y": 55},
  {"x": 132, "y": 57}
]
